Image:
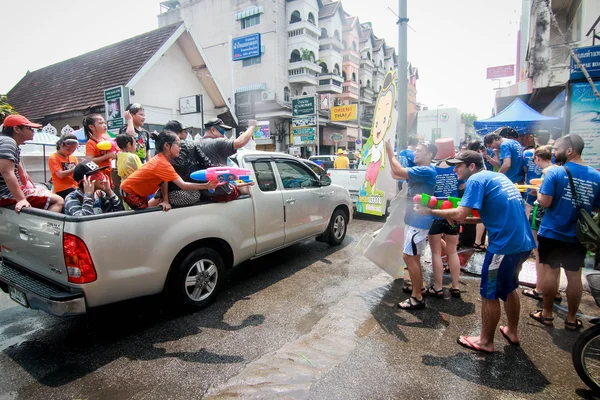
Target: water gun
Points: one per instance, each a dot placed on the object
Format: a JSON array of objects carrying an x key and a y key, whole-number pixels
[
  {"x": 108, "y": 145},
  {"x": 442, "y": 203},
  {"x": 223, "y": 175},
  {"x": 533, "y": 184}
]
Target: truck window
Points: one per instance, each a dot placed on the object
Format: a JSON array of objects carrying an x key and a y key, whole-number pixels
[
  {"x": 264, "y": 176},
  {"x": 295, "y": 175}
]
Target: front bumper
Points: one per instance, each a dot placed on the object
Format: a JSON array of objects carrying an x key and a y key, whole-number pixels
[{"x": 41, "y": 293}]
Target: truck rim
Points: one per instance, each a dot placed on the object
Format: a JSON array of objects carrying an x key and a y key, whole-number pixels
[
  {"x": 201, "y": 280},
  {"x": 339, "y": 225}
]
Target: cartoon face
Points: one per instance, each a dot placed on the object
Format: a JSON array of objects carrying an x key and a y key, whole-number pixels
[{"x": 383, "y": 116}]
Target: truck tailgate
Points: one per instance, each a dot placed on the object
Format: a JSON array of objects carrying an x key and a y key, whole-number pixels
[{"x": 33, "y": 240}]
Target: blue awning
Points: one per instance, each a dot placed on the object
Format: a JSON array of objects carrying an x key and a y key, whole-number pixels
[
  {"x": 248, "y": 12},
  {"x": 250, "y": 88},
  {"x": 518, "y": 116}
]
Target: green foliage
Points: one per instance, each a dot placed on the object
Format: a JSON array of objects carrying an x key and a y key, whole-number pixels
[
  {"x": 307, "y": 55},
  {"x": 468, "y": 119},
  {"x": 5, "y": 108}
]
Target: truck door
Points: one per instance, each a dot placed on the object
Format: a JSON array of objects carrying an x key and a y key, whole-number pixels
[
  {"x": 268, "y": 206},
  {"x": 303, "y": 200}
]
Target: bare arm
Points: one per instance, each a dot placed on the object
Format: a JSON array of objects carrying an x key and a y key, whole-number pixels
[
  {"x": 64, "y": 174},
  {"x": 8, "y": 173},
  {"x": 99, "y": 159},
  {"x": 194, "y": 186},
  {"x": 245, "y": 137},
  {"x": 506, "y": 163},
  {"x": 493, "y": 160},
  {"x": 130, "y": 128},
  {"x": 544, "y": 200},
  {"x": 398, "y": 171}
]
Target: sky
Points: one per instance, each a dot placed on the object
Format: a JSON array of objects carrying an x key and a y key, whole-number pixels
[{"x": 452, "y": 44}]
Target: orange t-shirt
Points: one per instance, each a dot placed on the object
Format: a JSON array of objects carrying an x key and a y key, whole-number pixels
[
  {"x": 148, "y": 178},
  {"x": 58, "y": 162},
  {"x": 91, "y": 149}
]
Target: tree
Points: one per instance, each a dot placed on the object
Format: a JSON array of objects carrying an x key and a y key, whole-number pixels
[
  {"x": 468, "y": 119},
  {"x": 5, "y": 108}
]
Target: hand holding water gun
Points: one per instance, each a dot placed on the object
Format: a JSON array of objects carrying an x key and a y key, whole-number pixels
[
  {"x": 442, "y": 203},
  {"x": 108, "y": 145},
  {"x": 534, "y": 184},
  {"x": 223, "y": 175}
]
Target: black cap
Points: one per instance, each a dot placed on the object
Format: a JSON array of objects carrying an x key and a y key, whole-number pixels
[
  {"x": 85, "y": 169},
  {"x": 468, "y": 157},
  {"x": 217, "y": 122},
  {"x": 175, "y": 126}
]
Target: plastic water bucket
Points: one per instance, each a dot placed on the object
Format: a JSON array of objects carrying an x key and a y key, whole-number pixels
[{"x": 445, "y": 148}]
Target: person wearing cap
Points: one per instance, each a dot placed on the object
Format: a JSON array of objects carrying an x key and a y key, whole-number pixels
[
  {"x": 177, "y": 127},
  {"x": 218, "y": 148},
  {"x": 502, "y": 211},
  {"x": 341, "y": 161},
  {"x": 94, "y": 194},
  {"x": 62, "y": 164},
  {"x": 421, "y": 180},
  {"x": 135, "y": 117},
  {"x": 511, "y": 155},
  {"x": 16, "y": 187}
]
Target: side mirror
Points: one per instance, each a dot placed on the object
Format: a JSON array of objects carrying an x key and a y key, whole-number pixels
[{"x": 324, "y": 180}]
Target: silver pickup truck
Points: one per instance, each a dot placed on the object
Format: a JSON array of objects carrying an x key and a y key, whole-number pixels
[{"x": 66, "y": 265}]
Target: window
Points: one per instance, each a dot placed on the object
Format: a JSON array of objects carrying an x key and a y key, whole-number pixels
[
  {"x": 324, "y": 69},
  {"x": 295, "y": 17},
  {"x": 295, "y": 56},
  {"x": 315, "y": 168},
  {"x": 250, "y": 21},
  {"x": 295, "y": 175},
  {"x": 264, "y": 176},
  {"x": 369, "y": 55},
  {"x": 344, "y": 75},
  {"x": 286, "y": 94},
  {"x": 353, "y": 77},
  {"x": 354, "y": 46},
  {"x": 336, "y": 69},
  {"x": 251, "y": 61},
  {"x": 311, "y": 18},
  {"x": 323, "y": 33}
]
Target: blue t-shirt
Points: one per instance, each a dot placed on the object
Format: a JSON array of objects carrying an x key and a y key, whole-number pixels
[
  {"x": 488, "y": 165},
  {"x": 421, "y": 180},
  {"x": 406, "y": 158},
  {"x": 513, "y": 150},
  {"x": 560, "y": 219},
  {"x": 446, "y": 183},
  {"x": 533, "y": 171},
  {"x": 502, "y": 211}
]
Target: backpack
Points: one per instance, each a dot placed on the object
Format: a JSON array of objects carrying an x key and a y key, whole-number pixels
[{"x": 587, "y": 230}]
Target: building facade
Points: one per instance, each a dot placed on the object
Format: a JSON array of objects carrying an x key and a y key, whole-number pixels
[{"x": 308, "y": 48}]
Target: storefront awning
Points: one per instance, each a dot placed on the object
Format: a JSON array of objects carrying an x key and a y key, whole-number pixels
[
  {"x": 250, "y": 88},
  {"x": 248, "y": 12}
]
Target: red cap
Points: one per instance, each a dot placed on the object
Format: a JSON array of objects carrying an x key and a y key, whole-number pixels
[{"x": 19, "y": 120}]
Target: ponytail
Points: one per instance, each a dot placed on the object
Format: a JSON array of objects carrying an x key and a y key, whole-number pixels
[{"x": 87, "y": 121}]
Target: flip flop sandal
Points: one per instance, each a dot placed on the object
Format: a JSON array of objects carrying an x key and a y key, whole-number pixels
[
  {"x": 466, "y": 343},
  {"x": 479, "y": 247},
  {"x": 431, "y": 292},
  {"x": 534, "y": 294},
  {"x": 573, "y": 326},
  {"x": 537, "y": 315},
  {"x": 412, "y": 303},
  {"x": 509, "y": 340},
  {"x": 407, "y": 288},
  {"x": 455, "y": 292}
]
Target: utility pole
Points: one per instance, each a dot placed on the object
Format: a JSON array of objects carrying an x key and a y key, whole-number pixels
[{"x": 401, "y": 85}]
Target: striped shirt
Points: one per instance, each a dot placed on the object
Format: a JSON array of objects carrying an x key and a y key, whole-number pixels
[
  {"x": 79, "y": 204},
  {"x": 9, "y": 150}
]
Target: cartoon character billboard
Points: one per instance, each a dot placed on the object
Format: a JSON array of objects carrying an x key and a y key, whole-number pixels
[{"x": 379, "y": 186}]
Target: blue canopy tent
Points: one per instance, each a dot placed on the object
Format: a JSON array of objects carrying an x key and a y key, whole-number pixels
[{"x": 518, "y": 116}]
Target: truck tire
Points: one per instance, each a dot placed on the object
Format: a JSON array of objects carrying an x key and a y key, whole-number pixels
[
  {"x": 336, "y": 230},
  {"x": 197, "y": 280}
]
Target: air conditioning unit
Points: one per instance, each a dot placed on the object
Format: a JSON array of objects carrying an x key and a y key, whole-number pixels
[{"x": 267, "y": 96}]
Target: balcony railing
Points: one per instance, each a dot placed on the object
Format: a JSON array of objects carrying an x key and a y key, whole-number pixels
[
  {"x": 306, "y": 28},
  {"x": 305, "y": 72}
]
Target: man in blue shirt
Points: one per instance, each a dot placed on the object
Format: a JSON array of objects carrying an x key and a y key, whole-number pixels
[
  {"x": 558, "y": 245},
  {"x": 407, "y": 156},
  {"x": 421, "y": 179},
  {"x": 531, "y": 170},
  {"x": 511, "y": 155},
  {"x": 500, "y": 206}
]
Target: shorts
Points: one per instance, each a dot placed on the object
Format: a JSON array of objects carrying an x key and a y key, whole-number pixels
[
  {"x": 37, "y": 197},
  {"x": 65, "y": 193},
  {"x": 440, "y": 226},
  {"x": 500, "y": 274},
  {"x": 529, "y": 199},
  {"x": 557, "y": 253},
  {"x": 535, "y": 216},
  {"x": 134, "y": 201},
  {"x": 414, "y": 240}
]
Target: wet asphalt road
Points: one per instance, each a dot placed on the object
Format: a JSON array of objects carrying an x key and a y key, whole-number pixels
[{"x": 307, "y": 322}]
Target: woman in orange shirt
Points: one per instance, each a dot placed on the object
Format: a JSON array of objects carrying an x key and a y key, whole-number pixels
[
  {"x": 157, "y": 172},
  {"x": 62, "y": 164},
  {"x": 95, "y": 131}
]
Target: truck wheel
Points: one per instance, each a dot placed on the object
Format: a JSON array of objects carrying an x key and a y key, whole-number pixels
[
  {"x": 197, "y": 280},
  {"x": 336, "y": 230}
]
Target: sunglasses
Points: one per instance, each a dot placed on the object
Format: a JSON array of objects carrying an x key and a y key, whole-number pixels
[{"x": 27, "y": 127}]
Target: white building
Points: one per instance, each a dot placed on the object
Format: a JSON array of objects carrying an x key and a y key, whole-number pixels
[{"x": 440, "y": 123}]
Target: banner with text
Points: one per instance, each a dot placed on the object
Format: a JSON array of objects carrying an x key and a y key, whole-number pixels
[
  {"x": 343, "y": 113},
  {"x": 585, "y": 108}
]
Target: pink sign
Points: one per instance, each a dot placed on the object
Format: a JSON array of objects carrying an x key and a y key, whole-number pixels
[{"x": 501, "y": 72}]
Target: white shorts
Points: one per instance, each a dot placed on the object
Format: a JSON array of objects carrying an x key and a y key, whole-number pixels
[{"x": 414, "y": 240}]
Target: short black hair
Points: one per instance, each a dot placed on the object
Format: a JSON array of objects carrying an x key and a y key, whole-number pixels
[
  {"x": 491, "y": 138},
  {"x": 134, "y": 108},
  {"x": 431, "y": 148},
  {"x": 475, "y": 145},
  {"x": 123, "y": 140}
]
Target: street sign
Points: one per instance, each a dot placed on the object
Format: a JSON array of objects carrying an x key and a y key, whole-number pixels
[
  {"x": 304, "y": 131},
  {"x": 246, "y": 47},
  {"x": 303, "y": 106},
  {"x": 336, "y": 137},
  {"x": 309, "y": 120},
  {"x": 503, "y": 71},
  {"x": 343, "y": 113},
  {"x": 436, "y": 133},
  {"x": 590, "y": 58}
]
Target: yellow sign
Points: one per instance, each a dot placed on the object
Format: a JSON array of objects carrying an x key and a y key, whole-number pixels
[{"x": 343, "y": 113}]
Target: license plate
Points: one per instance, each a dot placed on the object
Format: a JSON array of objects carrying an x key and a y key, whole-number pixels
[
  {"x": 354, "y": 198},
  {"x": 18, "y": 296}
]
